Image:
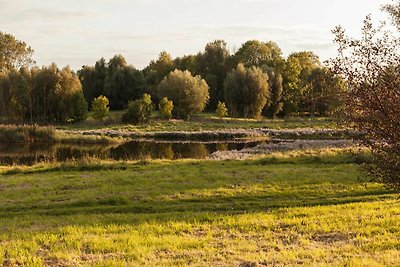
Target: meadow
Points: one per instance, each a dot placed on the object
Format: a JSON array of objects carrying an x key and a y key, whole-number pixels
[
  {"x": 201, "y": 122},
  {"x": 296, "y": 208}
]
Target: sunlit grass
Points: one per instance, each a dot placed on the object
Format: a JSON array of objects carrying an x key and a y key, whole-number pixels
[
  {"x": 205, "y": 122},
  {"x": 299, "y": 208}
]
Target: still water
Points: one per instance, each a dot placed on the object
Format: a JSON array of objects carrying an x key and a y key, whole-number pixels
[{"x": 29, "y": 154}]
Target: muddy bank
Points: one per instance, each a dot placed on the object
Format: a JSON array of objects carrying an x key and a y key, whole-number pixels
[
  {"x": 227, "y": 134},
  {"x": 280, "y": 145}
]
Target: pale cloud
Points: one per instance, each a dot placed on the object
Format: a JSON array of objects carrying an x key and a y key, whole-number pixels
[{"x": 79, "y": 32}]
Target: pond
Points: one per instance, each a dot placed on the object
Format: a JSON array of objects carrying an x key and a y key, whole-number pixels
[{"x": 29, "y": 154}]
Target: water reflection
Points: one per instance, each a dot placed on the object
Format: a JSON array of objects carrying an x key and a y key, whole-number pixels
[{"x": 29, "y": 154}]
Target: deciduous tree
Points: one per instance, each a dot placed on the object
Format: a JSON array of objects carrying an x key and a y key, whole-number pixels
[
  {"x": 371, "y": 68},
  {"x": 14, "y": 53},
  {"x": 188, "y": 93},
  {"x": 246, "y": 91}
]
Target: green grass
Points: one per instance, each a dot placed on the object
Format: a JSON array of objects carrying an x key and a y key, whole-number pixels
[
  {"x": 68, "y": 138},
  {"x": 310, "y": 208},
  {"x": 205, "y": 122}
]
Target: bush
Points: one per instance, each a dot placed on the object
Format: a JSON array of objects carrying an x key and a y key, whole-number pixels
[
  {"x": 188, "y": 93},
  {"x": 166, "y": 106},
  {"x": 221, "y": 111},
  {"x": 246, "y": 91},
  {"x": 100, "y": 107},
  {"x": 139, "y": 110}
]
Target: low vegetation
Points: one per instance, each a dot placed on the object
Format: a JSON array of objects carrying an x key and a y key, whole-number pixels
[
  {"x": 310, "y": 207},
  {"x": 139, "y": 111},
  {"x": 26, "y": 134},
  {"x": 222, "y": 110},
  {"x": 204, "y": 121},
  {"x": 100, "y": 108},
  {"x": 280, "y": 210},
  {"x": 165, "y": 108}
]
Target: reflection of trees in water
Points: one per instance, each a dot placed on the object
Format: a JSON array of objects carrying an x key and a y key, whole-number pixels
[
  {"x": 29, "y": 154},
  {"x": 166, "y": 151},
  {"x": 77, "y": 152},
  {"x": 143, "y": 150},
  {"x": 126, "y": 151},
  {"x": 191, "y": 150}
]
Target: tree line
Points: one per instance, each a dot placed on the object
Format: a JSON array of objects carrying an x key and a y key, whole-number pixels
[
  {"x": 45, "y": 95},
  {"x": 292, "y": 85},
  {"x": 255, "y": 80}
]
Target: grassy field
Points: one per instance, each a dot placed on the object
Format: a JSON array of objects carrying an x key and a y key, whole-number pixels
[
  {"x": 308, "y": 208},
  {"x": 205, "y": 122}
]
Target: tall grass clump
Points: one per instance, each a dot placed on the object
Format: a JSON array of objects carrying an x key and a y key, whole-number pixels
[{"x": 26, "y": 134}]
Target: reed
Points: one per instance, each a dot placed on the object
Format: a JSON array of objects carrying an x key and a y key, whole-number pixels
[{"x": 26, "y": 133}]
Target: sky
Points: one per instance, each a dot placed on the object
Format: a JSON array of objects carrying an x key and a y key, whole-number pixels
[{"x": 79, "y": 32}]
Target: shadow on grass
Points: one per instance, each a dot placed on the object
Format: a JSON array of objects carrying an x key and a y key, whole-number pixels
[
  {"x": 237, "y": 204},
  {"x": 314, "y": 184}
]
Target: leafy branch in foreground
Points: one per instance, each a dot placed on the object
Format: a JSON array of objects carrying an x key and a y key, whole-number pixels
[{"x": 371, "y": 68}]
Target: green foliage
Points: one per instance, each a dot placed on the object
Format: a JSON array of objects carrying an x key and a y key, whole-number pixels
[
  {"x": 222, "y": 110},
  {"x": 92, "y": 82},
  {"x": 156, "y": 71},
  {"x": 72, "y": 105},
  {"x": 256, "y": 53},
  {"x": 323, "y": 92},
  {"x": 188, "y": 62},
  {"x": 246, "y": 91},
  {"x": 122, "y": 82},
  {"x": 188, "y": 93},
  {"x": 79, "y": 107},
  {"x": 44, "y": 95},
  {"x": 298, "y": 68},
  {"x": 114, "y": 79},
  {"x": 165, "y": 108},
  {"x": 212, "y": 65},
  {"x": 100, "y": 107},
  {"x": 13, "y": 53},
  {"x": 274, "y": 105},
  {"x": 139, "y": 111}
]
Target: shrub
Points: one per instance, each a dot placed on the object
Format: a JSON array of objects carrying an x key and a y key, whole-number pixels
[
  {"x": 100, "y": 107},
  {"x": 139, "y": 110},
  {"x": 221, "y": 111},
  {"x": 188, "y": 93},
  {"x": 165, "y": 106}
]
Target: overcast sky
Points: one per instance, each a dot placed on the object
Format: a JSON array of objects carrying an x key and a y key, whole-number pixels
[{"x": 79, "y": 32}]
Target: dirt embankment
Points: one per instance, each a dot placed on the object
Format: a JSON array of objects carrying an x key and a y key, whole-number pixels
[{"x": 226, "y": 134}]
